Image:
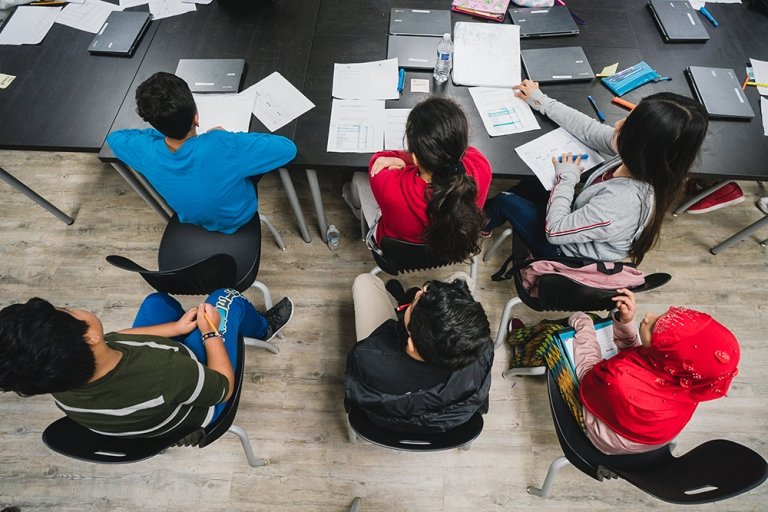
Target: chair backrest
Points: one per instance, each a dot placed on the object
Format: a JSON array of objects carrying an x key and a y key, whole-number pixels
[
  {"x": 415, "y": 442},
  {"x": 186, "y": 244},
  {"x": 400, "y": 257}
]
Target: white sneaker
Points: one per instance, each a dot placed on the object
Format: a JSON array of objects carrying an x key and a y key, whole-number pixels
[{"x": 762, "y": 203}]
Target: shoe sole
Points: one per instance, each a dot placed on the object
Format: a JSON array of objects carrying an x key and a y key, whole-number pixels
[
  {"x": 293, "y": 310},
  {"x": 717, "y": 206}
]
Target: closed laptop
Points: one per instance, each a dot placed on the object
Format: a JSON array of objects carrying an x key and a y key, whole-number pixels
[
  {"x": 678, "y": 21},
  {"x": 544, "y": 22},
  {"x": 413, "y": 52},
  {"x": 549, "y": 65},
  {"x": 719, "y": 90},
  {"x": 419, "y": 22},
  {"x": 121, "y": 33},
  {"x": 211, "y": 75}
]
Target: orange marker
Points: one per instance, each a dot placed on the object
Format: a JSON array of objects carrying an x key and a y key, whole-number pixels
[
  {"x": 623, "y": 103},
  {"x": 744, "y": 83}
]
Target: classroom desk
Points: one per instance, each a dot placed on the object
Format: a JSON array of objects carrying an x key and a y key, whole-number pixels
[{"x": 622, "y": 32}]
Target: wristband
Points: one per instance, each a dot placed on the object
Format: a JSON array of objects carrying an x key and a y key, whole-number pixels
[{"x": 208, "y": 335}]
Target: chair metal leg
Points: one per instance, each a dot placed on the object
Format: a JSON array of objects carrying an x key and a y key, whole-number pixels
[
  {"x": 550, "y": 479},
  {"x": 139, "y": 184},
  {"x": 293, "y": 200},
  {"x": 254, "y": 342},
  {"x": 356, "y": 503},
  {"x": 741, "y": 235},
  {"x": 363, "y": 226},
  {"x": 501, "y": 334},
  {"x": 317, "y": 198},
  {"x": 376, "y": 270},
  {"x": 535, "y": 370},
  {"x": 275, "y": 234},
  {"x": 34, "y": 196},
  {"x": 267, "y": 301},
  {"x": 473, "y": 272},
  {"x": 503, "y": 236},
  {"x": 698, "y": 197},
  {"x": 351, "y": 434},
  {"x": 243, "y": 435}
]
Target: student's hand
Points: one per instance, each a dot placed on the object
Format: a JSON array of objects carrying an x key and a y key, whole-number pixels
[
  {"x": 188, "y": 321},
  {"x": 525, "y": 89},
  {"x": 386, "y": 162},
  {"x": 568, "y": 158},
  {"x": 213, "y": 314},
  {"x": 625, "y": 305},
  {"x": 216, "y": 128}
]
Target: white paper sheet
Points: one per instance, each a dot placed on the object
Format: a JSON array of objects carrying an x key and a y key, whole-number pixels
[
  {"x": 486, "y": 54},
  {"x": 502, "y": 112},
  {"x": 760, "y": 70},
  {"x": 29, "y": 25},
  {"x": 230, "y": 111},
  {"x": 538, "y": 154},
  {"x": 697, "y": 4},
  {"x": 366, "y": 80},
  {"x": 357, "y": 126},
  {"x": 201, "y": 2},
  {"x": 132, "y": 3},
  {"x": 277, "y": 102},
  {"x": 166, "y": 8},
  {"x": 764, "y": 110},
  {"x": 394, "y": 127},
  {"x": 89, "y": 16}
]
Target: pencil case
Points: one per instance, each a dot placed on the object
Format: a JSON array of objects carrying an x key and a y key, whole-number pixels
[{"x": 631, "y": 78}]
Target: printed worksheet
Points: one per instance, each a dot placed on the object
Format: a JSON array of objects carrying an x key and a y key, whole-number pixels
[
  {"x": 29, "y": 25},
  {"x": 502, "y": 112},
  {"x": 366, "y": 81},
  {"x": 166, "y": 8},
  {"x": 394, "y": 127},
  {"x": 230, "y": 111},
  {"x": 278, "y": 102},
  {"x": 538, "y": 154},
  {"x": 760, "y": 72},
  {"x": 357, "y": 126},
  {"x": 132, "y": 3},
  {"x": 89, "y": 16}
]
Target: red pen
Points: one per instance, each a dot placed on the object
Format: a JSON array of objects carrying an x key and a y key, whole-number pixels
[{"x": 402, "y": 307}]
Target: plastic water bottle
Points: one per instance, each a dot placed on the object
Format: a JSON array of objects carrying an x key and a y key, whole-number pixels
[
  {"x": 444, "y": 59},
  {"x": 333, "y": 236}
]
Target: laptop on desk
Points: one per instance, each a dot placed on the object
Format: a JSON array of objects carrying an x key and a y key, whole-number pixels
[
  {"x": 211, "y": 75},
  {"x": 120, "y": 34},
  {"x": 544, "y": 22},
  {"x": 678, "y": 21},
  {"x": 719, "y": 90},
  {"x": 413, "y": 52},
  {"x": 419, "y": 22},
  {"x": 551, "y": 65}
]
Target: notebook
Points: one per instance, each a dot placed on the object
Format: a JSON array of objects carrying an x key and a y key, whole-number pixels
[
  {"x": 211, "y": 75},
  {"x": 678, "y": 21},
  {"x": 719, "y": 90},
  {"x": 121, "y": 33},
  {"x": 544, "y": 22},
  {"x": 419, "y": 22},
  {"x": 548, "y": 65},
  {"x": 491, "y": 9},
  {"x": 413, "y": 52}
]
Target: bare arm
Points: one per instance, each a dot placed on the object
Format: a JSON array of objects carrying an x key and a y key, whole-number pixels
[
  {"x": 218, "y": 360},
  {"x": 184, "y": 325}
]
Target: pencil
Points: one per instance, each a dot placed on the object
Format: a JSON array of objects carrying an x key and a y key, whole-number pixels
[
  {"x": 758, "y": 84},
  {"x": 744, "y": 83},
  {"x": 210, "y": 324}
]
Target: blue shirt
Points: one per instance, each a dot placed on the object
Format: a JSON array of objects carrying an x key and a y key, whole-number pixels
[{"x": 206, "y": 181}]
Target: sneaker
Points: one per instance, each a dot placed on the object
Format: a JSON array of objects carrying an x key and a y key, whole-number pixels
[
  {"x": 346, "y": 195},
  {"x": 278, "y": 317},
  {"x": 762, "y": 203},
  {"x": 396, "y": 290},
  {"x": 725, "y": 195},
  {"x": 515, "y": 324}
]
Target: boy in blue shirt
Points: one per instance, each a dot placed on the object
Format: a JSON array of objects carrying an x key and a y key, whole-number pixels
[{"x": 205, "y": 178}]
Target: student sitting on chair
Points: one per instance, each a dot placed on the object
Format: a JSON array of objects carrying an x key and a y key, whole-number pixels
[
  {"x": 434, "y": 192},
  {"x": 641, "y": 398},
  {"x": 137, "y": 382},
  {"x": 429, "y": 372},
  {"x": 619, "y": 212},
  {"x": 205, "y": 178}
]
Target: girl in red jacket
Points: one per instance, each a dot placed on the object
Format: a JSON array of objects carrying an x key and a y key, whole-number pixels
[{"x": 433, "y": 193}]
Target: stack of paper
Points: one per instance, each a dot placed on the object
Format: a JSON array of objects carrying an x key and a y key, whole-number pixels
[
  {"x": 486, "y": 55},
  {"x": 88, "y": 16},
  {"x": 277, "y": 101},
  {"x": 29, "y": 25}
]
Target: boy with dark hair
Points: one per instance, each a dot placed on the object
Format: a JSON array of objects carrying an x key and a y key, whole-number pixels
[
  {"x": 205, "y": 178},
  {"x": 171, "y": 373},
  {"x": 429, "y": 372}
]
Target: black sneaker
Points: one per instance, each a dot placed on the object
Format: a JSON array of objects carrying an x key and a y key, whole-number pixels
[
  {"x": 277, "y": 317},
  {"x": 396, "y": 290}
]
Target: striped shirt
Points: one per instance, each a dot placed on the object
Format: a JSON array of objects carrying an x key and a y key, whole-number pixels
[{"x": 157, "y": 388}]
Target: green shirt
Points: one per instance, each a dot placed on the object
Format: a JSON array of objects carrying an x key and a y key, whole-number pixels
[{"x": 158, "y": 387}]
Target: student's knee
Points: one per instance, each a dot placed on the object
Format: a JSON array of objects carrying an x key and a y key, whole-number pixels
[{"x": 365, "y": 282}]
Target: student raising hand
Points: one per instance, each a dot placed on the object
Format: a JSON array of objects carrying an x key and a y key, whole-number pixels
[{"x": 625, "y": 306}]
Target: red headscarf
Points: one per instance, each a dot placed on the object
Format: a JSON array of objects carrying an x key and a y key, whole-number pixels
[{"x": 647, "y": 395}]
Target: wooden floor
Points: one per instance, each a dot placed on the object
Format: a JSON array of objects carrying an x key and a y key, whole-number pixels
[{"x": 292, "y": 402}]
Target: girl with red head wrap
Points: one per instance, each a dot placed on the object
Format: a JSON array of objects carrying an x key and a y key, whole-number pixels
[{"x": 642, "y": 398}]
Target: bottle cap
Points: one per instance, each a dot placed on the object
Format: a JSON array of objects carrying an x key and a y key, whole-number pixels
[{"x": 447, "y": 35}]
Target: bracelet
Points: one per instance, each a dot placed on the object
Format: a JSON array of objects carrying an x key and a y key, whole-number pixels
[{"x": 208, "y": 335}]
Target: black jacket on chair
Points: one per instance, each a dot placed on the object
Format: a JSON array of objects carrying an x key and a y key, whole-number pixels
[{"x": 435, "y": 408}]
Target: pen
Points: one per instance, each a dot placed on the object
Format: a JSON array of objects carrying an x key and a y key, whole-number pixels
[
  {"x": 584, "y": 156},
  {"x": 402, "y": 307},
  {"x": 210, "y": 324},
  {"x": 600, "y": 115},
  {"x": 708, "y": 15},
  {"x": 401, "y": 81},
  {"x": 758, "y": 84},
  {"x": 623, "y": 103}
]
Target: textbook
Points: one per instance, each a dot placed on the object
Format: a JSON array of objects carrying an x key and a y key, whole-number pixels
[{"x": 490, "y": 9}]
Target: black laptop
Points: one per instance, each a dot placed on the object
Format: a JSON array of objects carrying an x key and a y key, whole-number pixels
[
  {"x": 551, "y": 65},
  {"x": 413, "y": 52},
  {"x": 544, "y": 21},
  {"x": 121, "y": 33},
  {"x": 211, "y": 75},
  {"x": 419, "y": 22},
  {"x": 678, "y": 21},
  {"x": 719, "y": 90}
]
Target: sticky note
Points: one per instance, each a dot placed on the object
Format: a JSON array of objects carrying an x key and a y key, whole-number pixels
[
  {"x": 419, "y": 85},
  {"x": 609, "y": 70},
  {"x": 5, "y": 80}
]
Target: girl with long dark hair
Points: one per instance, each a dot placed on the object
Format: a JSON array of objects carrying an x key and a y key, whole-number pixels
[{"x": 619, "y": 212}]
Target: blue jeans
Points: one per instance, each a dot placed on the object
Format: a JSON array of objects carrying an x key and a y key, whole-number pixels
[
  {"x": 525, "y": 207},
  {"x": 238, "y": 316}
]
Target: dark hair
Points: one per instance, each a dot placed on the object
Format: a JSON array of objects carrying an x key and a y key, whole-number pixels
[
  {"x": 437, "y": 132},
  {"x": 165, "y": 101},
  {"x": 42, "y": 349},
  {"x": 658, "y": 143},
  {"x": 448, "y": 326}
]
